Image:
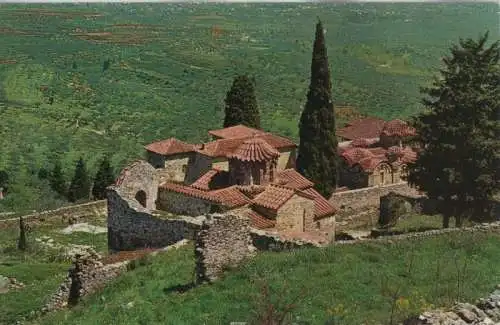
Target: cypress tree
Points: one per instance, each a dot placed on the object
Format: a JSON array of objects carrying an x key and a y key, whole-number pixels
[
  {"x": 22, "y": 243},
  {"x": 56, "y": 179},
  {"x": 241, "y": 104},
  {"x": 80, "y": 185},
  {"x": 317, "y": 157},
  {"x": 103, "y": 178},
  {"x": 459, "y": 131}
]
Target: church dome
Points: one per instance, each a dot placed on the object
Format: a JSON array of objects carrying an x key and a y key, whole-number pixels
[{"x": 255, "y": 150}]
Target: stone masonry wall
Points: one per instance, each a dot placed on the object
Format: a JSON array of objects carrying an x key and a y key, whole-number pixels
[
  {"x": 354, "y": 201},
  {"x": 86, "y": 276},
  {"x": 131, "y": 227},
  {"x": 295, "y": 214},
  {"x": 181, "y": 204},
  {"x": 90, "y": 209},
  {"x": 175, "y": 168},
  {"x": 223, "y": 241}
]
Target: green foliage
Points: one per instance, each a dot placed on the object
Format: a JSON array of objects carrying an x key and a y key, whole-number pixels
[
  {"x": 103, "y": 178},
  {"x": 4, "y": 180},
  {"x": 56, "y": 179},
  {"x": 423, "y": 271},
  {"x": 460, "y": 130},
  {"x": 241, "y": 104},
  {"x": 317, "y": 157},
  {"x": 79, "y": 189}
]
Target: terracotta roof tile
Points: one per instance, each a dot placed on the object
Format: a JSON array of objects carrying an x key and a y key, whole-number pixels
[
  {"x": 251, "y": 190},
  {"x": 363, "y": 142},
  {"x": 170, "y": 146},
  {"x": 273, "y": 197},
  {"x": 188, "y": 191},
  {"x": 230, "y": 197},
  {"x": 355, "y": 155},
  {"x": 255, "y": 149},
  {"x": 211, "y": 180},
  {"x": 225, "y": 147},
  {"x": 260, "y": 222},
  {"x": 322, "y": 208},
  {"x": 398, "y": 128},
  {"x": 293, "y": 179},
  {"x": 235, "y": 132},
  {"x": 369, "y": 127}
]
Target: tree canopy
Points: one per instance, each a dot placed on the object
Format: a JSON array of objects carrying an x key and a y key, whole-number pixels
[
  {"x": 79, "y": 188},
  {"x": 103, "y": 178},
  {"x": 317, "y": 157},
  {"x": 459, "y": 132},
  {"x": 241, "y": 103}
]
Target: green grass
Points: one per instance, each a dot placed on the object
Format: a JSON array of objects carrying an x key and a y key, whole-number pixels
[
  {"x": 37, "y": 268},
  {"x": 174, "y": 83},
  {"x": 359, "y": 277}
]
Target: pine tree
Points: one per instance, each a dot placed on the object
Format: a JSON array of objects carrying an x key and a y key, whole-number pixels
[
  {"x": 460, "y": 131},
  {"x": 56, "y": 179},
  {"x": 80, "y": 185},
  {"x": 317, "y": 157},
  {"x": 241, "y": 104},
  {"x": 22, "y": 242},
  {"x": 103, "y": 178}
]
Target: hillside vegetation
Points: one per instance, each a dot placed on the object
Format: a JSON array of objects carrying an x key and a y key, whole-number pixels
[
  {"x": 355, "y": 284},
  {"x": 105, "y": 79}
]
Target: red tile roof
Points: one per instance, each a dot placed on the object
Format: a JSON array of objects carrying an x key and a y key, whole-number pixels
[
  {"x": 369, "y": 127},
  {"x": 398, "y": 128},
  {"x": 255, "y": 150},
  {"x": 225, "y": 147},
  {"x": 230, "y": 197},
  {"x": 322, "y": 208},
  {"x": 258, "y": 221},
  {"x": 362, "y": 142},
  {"x": 273, "y": 197},
  {"x": 293, "y": 179},
  {"x": 204, "y": 182},
  {"x": 235, "y": 132},
  {"x": 170, "y": 146},
  {"x": 355, "y": 155}
]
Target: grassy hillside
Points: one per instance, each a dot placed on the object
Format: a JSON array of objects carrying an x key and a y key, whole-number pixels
[
  {"x": 101, "y": 79},
  {"x": 358, "y": 284}
]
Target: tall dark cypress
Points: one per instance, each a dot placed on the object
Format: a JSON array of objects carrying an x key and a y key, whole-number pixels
[
  {"x": 318, "y": 158},
  {"x": 241, "y": 103},
  {"x": 22, "y": 242},
  {"x": 103, "y": 178},
  {"x": 56, "y": 179},
  {"x": 79, "y": 188}
]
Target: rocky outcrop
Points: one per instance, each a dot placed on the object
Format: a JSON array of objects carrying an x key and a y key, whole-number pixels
[{"x": 485, "y": 312}]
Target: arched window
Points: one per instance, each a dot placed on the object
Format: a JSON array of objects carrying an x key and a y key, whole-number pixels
[{"x": 141, "y": 197}]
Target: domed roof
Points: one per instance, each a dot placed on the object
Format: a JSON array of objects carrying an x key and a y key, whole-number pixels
[
  {"x": 397, "y": 128},
  {"x": 255, "y": 149},
  {"x": 355, "y": 155}
]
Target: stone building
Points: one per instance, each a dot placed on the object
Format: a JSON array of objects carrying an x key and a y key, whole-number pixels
[
  {"x": 375, "y": 152},
  {"x": 243, "y": 170}
]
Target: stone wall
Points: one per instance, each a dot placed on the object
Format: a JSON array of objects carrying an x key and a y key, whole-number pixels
[
  {"x": 359, "y": 199},
  {"x": 90, "y": 209},
  {"x": 175, "y": 168},
  {"x": 485, "y": 311},
  {"x": 224, "y": 241},
  {"x": 86, "y": 276},
  {"x": 138, "y": 177},
  {"x": 131, "y": 227},
  {"x": 181, "y": 204},
  {"x": 198, "y": 165},
  {"x": 286, "y": 159},
  {"x": 267, "y": 241},
  {"x": 296, "y": 214}
]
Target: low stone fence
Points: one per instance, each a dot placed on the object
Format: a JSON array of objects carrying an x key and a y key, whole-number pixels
[
  {"x": 78, "y": 211},
  {"x": 87, "y": 275},
  {"x": 487, "y": 227},
  {"x": 265, "y": 241},
  {"x": 485, "y": 311}
]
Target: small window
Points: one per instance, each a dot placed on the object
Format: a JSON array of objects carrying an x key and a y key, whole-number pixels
[
  {"x": 318, "y": 224},
  {"x": 184, "y": 168}
]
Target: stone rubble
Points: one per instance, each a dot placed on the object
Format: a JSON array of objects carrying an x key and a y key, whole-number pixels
[
  {"x": 485, "y": 312},
  {"x": 84, "y": 227},
  {"x": 9, "y": 283}
]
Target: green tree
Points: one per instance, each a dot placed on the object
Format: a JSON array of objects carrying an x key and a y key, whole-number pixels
[
  {"x": 80, "y": 184},
  {"x": 103, "y": 178},
  {"x": 459, "y": 131},
  {"x": 241, "y": 103},
  {"x": 4, "y": 180},
  {"x": 317, "y": 157},
  {"x": 56, "y": 179}
]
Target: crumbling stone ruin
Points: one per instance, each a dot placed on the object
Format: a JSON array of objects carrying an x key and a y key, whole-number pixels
[{"x": 485, "y": 312}]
